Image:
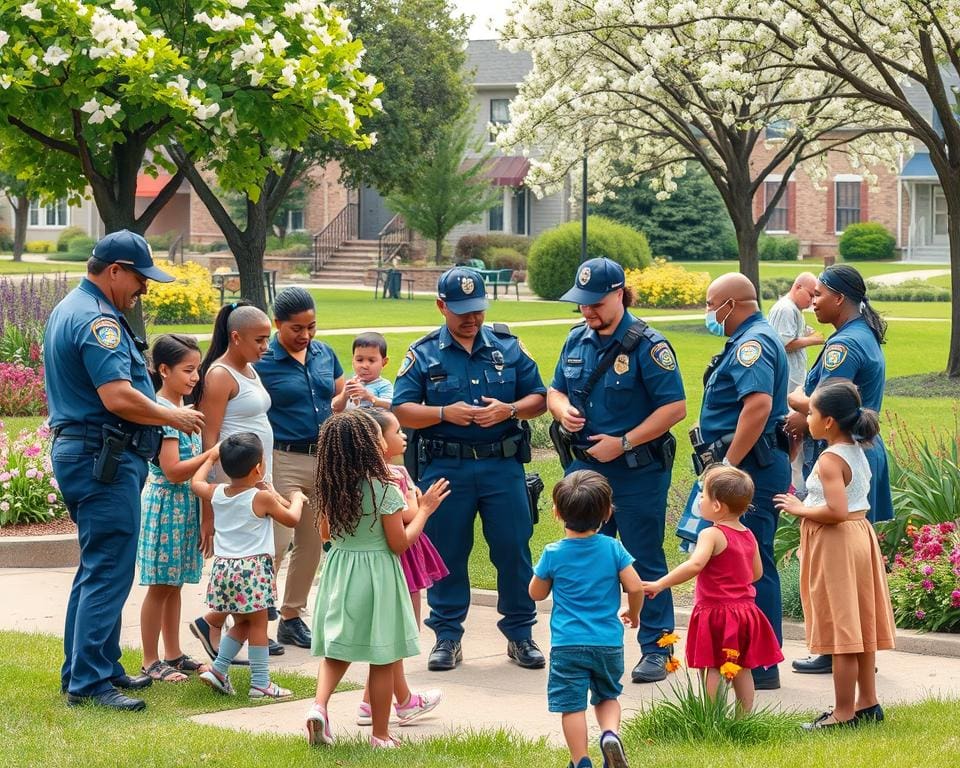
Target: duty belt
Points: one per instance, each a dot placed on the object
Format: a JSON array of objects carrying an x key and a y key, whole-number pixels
[
  {"x": 306, "y": 449},
  {"x": 436, "y": 449}
]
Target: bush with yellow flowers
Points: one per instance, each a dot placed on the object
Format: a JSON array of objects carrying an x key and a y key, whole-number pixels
[
  {"x": 191, "y": 298},
  {"x": 663, "y": 285}
]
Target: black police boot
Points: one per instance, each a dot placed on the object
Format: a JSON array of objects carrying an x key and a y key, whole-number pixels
[
  {"x": 112, "y": 699},
  {"x": 274, "y": 648},
  {"x": 526, "y": 654},
  {"x": 766, "y": 679},
  {"x": 652, "y": 668},
  {"x": 814, "y": 665},
  {"x": 446, "y": 655},
  {"x": 293, "y": 632},
  {"x": 128, "y": 683}
]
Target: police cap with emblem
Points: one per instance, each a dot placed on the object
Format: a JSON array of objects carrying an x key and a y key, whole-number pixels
[
  {"x": 131, "y": 250},
  {"x": 595, "y": 279},
  {"x": 462, "y": 290}
]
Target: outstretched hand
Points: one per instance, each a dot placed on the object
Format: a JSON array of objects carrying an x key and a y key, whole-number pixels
[
  {"x": 631, "y": 620},
  {"x": 434, "y": 495}
]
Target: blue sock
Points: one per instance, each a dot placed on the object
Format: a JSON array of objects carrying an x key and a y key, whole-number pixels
[
  {"x": 229, "y": 648},
  {"x": 259, "y": 666}
]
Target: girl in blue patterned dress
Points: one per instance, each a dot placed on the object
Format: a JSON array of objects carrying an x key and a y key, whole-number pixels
[{"x": 168, "y": 555}]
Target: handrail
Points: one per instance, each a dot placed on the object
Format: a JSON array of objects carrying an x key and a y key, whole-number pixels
[
  {"x": 176, "y": 245},
  {"x": 341, "y": 228},
  {"x": 394, "y": 235}
]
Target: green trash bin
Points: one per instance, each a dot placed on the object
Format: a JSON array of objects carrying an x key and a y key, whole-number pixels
[{"x": 391, "y": 286}]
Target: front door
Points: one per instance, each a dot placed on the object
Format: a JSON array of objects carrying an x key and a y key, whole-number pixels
[{"x": 374, "y": 214}]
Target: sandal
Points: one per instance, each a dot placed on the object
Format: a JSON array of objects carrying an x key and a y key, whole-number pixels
[
  {"x": 162, "y": 672},
  {"x": 272, "y": 691},
  {"x": 185, "y": 664}
]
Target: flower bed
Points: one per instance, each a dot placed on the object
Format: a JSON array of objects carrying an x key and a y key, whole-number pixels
[
  {"x": 925, "y": 579},
  {"x": 663, "y": 285},
  {"x": 28, "y": 490}
]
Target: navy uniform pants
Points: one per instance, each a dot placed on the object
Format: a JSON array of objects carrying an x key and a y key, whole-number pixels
[
  {"x": 495, "y": 488},
  {"x": 108, "y": 525},
  {"x": 762, "y": 520},
  {"x": 639, "y": 516}
]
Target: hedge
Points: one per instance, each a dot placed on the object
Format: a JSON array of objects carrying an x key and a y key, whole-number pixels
[
  {"x": 868, "y": 241},
  {"x": 480, "y": 246},
  {"x": 778, "y": 248},
  {"x": 68, "y": 234}
]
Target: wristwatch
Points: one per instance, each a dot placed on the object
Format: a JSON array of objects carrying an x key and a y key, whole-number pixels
[
  {"x": 513, "y": 410},
  {"x": 626, "y": 444}
]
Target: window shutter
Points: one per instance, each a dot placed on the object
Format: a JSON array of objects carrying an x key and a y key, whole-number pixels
[
  {"x": 864, "y": 202},
  {"x": 791, "y": 195},
  {"x": 831, "y": 207}
]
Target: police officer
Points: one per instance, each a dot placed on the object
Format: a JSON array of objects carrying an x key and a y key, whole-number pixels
[
  {"x": 744, "y": 398},
  {"x": 465, "y": 387},
  {"x": 852, "y": 352},
  {"x": 621, "y": 429},
  {"x": 104, "y": 417}
]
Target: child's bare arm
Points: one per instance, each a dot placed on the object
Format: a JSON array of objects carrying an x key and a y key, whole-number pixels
[
  {"x": 266, "y": 504},
  {"x": 633, "y": 586},
  {"x": 413, "y": 506},
  {"x": 175, "y": 469},
  {"x": 757, "y": 565},
  {"x": 540, "y": 588},
  {"x": 706, "y": 547},
  {"x": 198, "y": 484}
]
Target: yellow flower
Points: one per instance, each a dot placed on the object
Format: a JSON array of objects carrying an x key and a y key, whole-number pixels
[
  {"x": 731, "y": 654},
  {"x": 668, "y": 639},
  {"x": 730, "y": 670}
]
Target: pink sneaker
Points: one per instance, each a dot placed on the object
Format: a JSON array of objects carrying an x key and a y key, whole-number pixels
[
  {"x": 417, "y": 705},
  {"x": 318, "y": 727},
  {"x": 389, "y": 743}
]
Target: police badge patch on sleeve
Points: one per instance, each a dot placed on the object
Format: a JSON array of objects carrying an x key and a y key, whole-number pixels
[
  {"x": 408, "y": 360},
  {"x": 748, "y": 353},
  {"x": 833, "y": 356},
  {"x": 663, "y": 356},
  {"x": 106, "y": 331}
]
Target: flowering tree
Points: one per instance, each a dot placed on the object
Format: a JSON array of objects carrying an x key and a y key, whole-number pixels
[
  {"x": 650, "y": 85},
  {"x": 898, "y": 55}
]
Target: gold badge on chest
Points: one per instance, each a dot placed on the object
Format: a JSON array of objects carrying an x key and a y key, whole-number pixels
[{"x": 621, "y": 365}]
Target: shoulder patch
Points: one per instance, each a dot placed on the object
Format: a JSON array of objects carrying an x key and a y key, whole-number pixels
[
  {"x": 407, "y": 363},
  {"x": 748, "y": 353},
  {"x": 663, "y": 356},
  {"x": 524, "y": 349},
  {"x": 107, "y": 332},
  {"x": 833, "y": 356}
]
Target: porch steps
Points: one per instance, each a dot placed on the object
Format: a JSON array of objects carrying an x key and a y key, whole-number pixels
[{"x": 350, "y": 262}]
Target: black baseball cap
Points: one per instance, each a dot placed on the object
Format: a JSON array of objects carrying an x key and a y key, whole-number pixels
[
  {"x": 131, "y": 250},
  {"x": 462, "y": 290},
  {"x": 595, "y": 279}
]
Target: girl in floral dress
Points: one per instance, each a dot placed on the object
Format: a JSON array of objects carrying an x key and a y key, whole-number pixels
[
  {"x": 168, "y": 555},
  {"x": 242, "y": 579}
]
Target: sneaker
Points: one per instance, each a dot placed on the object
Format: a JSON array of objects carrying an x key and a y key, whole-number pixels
[
  {"x": 417, "y": 705},
  {"x": 390, "y": 743},
  {"x": 318, "y": 727},
  {"x": 365, "y": 716},
  {"x": 612, "y": 749},
  {"x": 218, "y": 682},
  {"x": 272, "y": 691}
]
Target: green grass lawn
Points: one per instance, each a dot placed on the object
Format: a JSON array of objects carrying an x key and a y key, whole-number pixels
[
  {"x": 10, "y": 267},
  {"x": 39, "y": 730},
  {"x": 790, "y": 268}
]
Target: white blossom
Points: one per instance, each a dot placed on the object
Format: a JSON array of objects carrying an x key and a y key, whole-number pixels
[
  {"x": 90, "y": 106},
  {"x": 55, "y": 55},
  {"x": 4, "y": 37},
  {"x": 127, "y": 6},
  {"x": 278, "y": 44},
  {"x": 256, "y": 77},
  {"x": 288, "y": 76},
  {"x": 5, "y": 81},
  {"x": 30, "y": 11},
  {"x": 206, "y": 111}
]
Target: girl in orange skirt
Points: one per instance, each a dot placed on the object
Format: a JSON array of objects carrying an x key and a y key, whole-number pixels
[
  {"x": 843, "y": 584},
  {"x": 727, "y": 631}
]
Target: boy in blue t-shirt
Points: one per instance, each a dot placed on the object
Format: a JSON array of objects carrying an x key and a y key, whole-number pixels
[{"x": 586, "y": 573}]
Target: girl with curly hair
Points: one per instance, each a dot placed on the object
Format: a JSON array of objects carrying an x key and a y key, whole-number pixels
[{"x": 363, "y": 610}]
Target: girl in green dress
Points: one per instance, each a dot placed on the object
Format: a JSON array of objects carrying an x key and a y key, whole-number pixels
[{"x": 363, "y": 610}]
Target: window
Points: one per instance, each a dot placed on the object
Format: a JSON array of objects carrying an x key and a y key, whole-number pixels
[
  {"x": 499, "y": 114},
  {"x": 295, "y": 220},
  {"x": 778, "y": 216},
  {"x": 52, "y": 215},
  {"x": 777, "y": 129},
  {"x": 848, "y": 204},
  {"x": 495, "y": 218}
]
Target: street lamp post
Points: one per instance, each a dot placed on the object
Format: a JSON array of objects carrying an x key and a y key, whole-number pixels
[{"x": 583, "y": 212}]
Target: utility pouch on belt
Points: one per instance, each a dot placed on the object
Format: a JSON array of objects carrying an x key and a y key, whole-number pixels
[
  {"x": 115, "y": 442},
  {"x": 534, "y": 488},
  {"x": 562, "y": 443},
  {"x": 525, "y": 446}
]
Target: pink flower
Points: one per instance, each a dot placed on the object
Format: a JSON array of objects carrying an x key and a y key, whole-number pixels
[
  {"x": 54, "y": 483},
  {"x": 4, "y": 476},
  {"x": 4, "y": 506},
  {"x": 31, "y": 473},
  {"x": 920, "y": 615},
  {"x": 51, "y": 498},
  {"x": 928, "y": 570},
  {"x": 927, "y": 585},
  {"x": 955, "y": 598},
  {"x": 947, "y": 527},
  {"x": 32, "y": 451}
]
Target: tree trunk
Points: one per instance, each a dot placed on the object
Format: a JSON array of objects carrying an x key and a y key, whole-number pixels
[
  {"x": 21, "y": 216},
  {"x": 438, "y": 252},
  {"x": 248, "y": 251},
  {"x": 951, "y": 191}
]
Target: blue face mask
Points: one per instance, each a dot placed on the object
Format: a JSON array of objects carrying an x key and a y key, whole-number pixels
[{"x": 713, "y": 325}]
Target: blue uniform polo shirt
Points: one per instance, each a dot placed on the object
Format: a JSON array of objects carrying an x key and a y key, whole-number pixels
[
  {"x": 753, "y": 360},
  {"x": 852, "y": 352},
  {"x": 437, "y": 370},
  {"x": 85, "y": 346},
  {"x": 636, "y": 384},
  {"x": 300, "y": 393}
]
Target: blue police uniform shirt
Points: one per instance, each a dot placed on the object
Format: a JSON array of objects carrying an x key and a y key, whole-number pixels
[
  {"x": 300, "y": 393},
  {"x": 586, "y": 590},
  {"x": 753, "y": 360},
  {"x": 632, "y": 388},
  {"x": 86, "y": 346},
  {"x": 437, "y": 370},
  {"x": 852, "y": 352}
]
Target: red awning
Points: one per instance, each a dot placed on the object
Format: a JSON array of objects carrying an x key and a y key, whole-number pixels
[
  {"x": 507, "y": 171},
  {"x": 147, "y": 186}
]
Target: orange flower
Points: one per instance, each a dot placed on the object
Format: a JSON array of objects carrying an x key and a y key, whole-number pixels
[
  {"x": 673, "y": 664},
  {"x": 911, "y": 530},
  {"x": 730, "y": 670},
  {"x": 731, "y": 654},
  {"x": 668, "y": 639}
]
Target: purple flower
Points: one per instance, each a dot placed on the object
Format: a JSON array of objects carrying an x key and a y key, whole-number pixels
[
  {"x": 920, "y": 615},
  {"x": 31, "y": 473},
  {"x": 928, "y": 570},
  {"x": 51, "y": 498},
  {"x": 927, "y": 585}
]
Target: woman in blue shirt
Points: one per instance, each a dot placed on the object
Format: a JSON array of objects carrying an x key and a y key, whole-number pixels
[{"x": 302, "y": 376}]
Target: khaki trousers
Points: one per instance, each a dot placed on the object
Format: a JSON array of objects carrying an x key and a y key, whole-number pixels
[{"x": 293, "y": 471}]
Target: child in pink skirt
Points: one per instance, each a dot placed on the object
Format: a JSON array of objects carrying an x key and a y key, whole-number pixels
[
  {"x": 422, "y": 566},
  {"x": 727, "y": 632}
]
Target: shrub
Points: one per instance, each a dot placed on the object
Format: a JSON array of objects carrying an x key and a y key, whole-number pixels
[
  {"x": 478, "y": 246},
  {"x": 505, "y": 258},
  {"x": 218, "y": 245},
  {"x": 21, "y": 390},
  {"x": 867, "y": 241},
  {"x": 39, "y": 246},
  {"x": 80, "y": 247},
  {"x": 790, "y": 589},
  {"x": 25, "y": 306},
  {"x": 191, "y": 298},
  {"x": 668, "y": 286},
  {"x": 295, "y": 251},
  {"x": 925, "y": 582},
  {"x": 28, "y": 490},
  {"x": 779, "y": 248},
  {"x": 775, "y": 287},
  {"x": 729, "y": 248},
  {"x": 162, "y": 243},
  {"x": 908, "y": 290},
  {"x": 66, "y": 235},
  {"x": 555, "y": 255},
  {"x": 6, "y": 238}
]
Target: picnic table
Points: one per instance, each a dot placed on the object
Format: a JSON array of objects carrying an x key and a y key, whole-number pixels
[
  {"x": 229, "y": 282},
  {"x": 500, "y": 278}
]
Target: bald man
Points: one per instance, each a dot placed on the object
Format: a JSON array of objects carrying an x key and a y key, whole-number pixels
[{"x": 745, "y": 395}]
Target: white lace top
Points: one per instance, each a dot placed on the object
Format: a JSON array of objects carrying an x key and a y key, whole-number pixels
[{"x": 857, "y": 489}]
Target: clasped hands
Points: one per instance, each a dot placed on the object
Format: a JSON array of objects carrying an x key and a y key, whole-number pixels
[
  {"x": 605, "y": 447},
  {"x": 463, "y": 414}
]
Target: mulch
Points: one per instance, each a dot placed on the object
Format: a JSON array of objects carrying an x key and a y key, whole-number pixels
[{"x": 59, "y": 526}]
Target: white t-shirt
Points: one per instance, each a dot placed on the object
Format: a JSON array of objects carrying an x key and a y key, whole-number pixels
[{"x": 787, "y": 320}]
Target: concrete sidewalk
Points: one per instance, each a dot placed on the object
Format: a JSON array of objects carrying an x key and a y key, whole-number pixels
[{"x": 486, "y": 692}]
